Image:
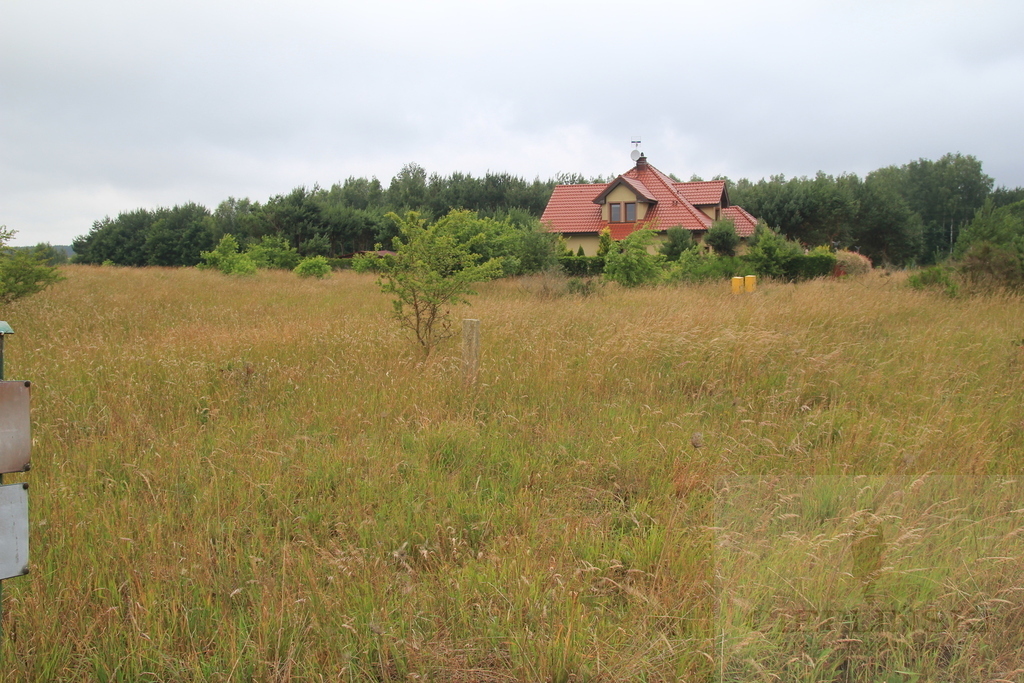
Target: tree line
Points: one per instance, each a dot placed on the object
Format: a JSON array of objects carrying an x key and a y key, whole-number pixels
[
  {"x": 347, "y": 217},
  {"x": 899, "y": 215}
]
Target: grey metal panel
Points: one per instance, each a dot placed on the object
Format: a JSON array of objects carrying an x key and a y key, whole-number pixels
[
  {"x": 13, "y": 530},
  {"x": 15, "y": 427}
]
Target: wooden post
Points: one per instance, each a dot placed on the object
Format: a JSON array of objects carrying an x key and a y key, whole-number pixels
[{"x": 470, "y": 350}]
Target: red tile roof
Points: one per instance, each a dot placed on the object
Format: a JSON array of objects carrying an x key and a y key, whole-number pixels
[
  {"x": 634, "y": 184},
  {"x": 703, "y": 192},
  {"x": 744, "y": 222},
  {"x": 571, "y": 208}
]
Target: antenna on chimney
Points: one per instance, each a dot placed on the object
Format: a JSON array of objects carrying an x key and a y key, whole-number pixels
[{"x": 635, "y": 154}]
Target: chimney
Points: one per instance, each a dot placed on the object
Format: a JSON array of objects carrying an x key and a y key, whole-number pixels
[{"x": 641, "y": 163}]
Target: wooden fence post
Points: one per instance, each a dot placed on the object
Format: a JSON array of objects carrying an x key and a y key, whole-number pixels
[{"x": 470, "y": 350}]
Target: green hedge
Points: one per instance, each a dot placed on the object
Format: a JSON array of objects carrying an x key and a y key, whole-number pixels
[{"x": 582, "y": 266}]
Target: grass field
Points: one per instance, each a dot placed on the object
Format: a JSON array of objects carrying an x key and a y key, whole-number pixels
[{"x": 261, "y": 479}]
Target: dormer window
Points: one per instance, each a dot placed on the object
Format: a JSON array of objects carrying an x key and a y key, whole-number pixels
[{"x": 622, "y": 212}]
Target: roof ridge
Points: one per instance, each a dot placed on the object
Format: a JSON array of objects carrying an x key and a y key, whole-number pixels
[{"x": 669, "y": 184}]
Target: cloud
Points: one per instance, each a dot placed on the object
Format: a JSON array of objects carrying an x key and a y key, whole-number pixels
[{"x": 114, "y": 104}]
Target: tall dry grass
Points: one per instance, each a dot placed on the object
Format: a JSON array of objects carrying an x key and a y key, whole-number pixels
[{"x": 262, "y": 479}]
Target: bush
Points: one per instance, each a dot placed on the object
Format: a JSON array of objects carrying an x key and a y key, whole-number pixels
[
  {"x": 677, "y": 240},
  {"x": 819, "y": 263},
  {"x": 722, "y": 237},
  {"x": 696, "y": 265},
  {"x": 583, "y": 286},
  {"x": 582, "y": 266},
  {"x": 990, "y": 266},
  {"x": 772, "y": 255},
  {"x": 273, "y": 251},
  {"x": 935, "y": 277},
  {"x": 852, "y": 263},
  {"x": 314, "y": 266},
  {"x": 632, "y": 266},
  {"x": 226, "y": 259},
  {"x": 22, "y": 274}
]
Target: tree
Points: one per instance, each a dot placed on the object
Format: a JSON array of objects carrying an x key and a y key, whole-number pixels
[
  {"x": 887, "y": 230},
  {"x": 722, "y": 237},
  {"x": 771, "y": 254},
  {"x": 226, "y": 259},
  {"x": 273, "y": 251},
  {"x": 22, "y": 273},
  {"x": 678, "y": 240},
  {"x": 605, "y": 243},
  {"x": 430, "y": 271},
  {"x": 632, "y": 265}
]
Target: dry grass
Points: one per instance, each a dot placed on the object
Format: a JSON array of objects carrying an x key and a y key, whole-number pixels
[{"x": 260, "y": 479}]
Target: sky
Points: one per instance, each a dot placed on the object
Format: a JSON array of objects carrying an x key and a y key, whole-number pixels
[{"x": 111, "y": 105}]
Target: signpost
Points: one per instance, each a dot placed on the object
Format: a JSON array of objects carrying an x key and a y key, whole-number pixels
[{"x": 15, "y": 452}]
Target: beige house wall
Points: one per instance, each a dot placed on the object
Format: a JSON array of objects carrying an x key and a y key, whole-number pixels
[{"x": 588, "y": 240}]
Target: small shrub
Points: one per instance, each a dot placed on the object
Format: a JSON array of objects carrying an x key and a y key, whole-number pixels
[
  {"x": 632, "y": 266},
  {"x": 226, "y": 259},
  {"x": 852, "y": 263},
  {"x": 583, "y": 287},
  {"x": 819, "y": 263},
  {"x": 935, "y": 277},
  {"x": 722, "y": 237},
  {"x": 273, "y": 251},
  {"x": 605, "y": 243},
  {"x": 314, "y": 266},
  {"x": 772, "y": 255},
  {"x": 990, "y": 266},
  {"x": 697, "y": 265},
  {"x": 582, "y": 266},
  {"x": 677, "y": 240}
]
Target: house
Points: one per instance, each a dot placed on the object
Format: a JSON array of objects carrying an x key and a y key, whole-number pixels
[{"x": 641, "y": 198}]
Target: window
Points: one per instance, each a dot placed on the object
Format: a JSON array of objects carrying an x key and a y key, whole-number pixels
[{"x": 622, "y": 212}]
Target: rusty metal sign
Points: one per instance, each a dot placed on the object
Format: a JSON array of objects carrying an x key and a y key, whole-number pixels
[
  {"x": 13, "y": 530},
  {"x": 15, "y": 427}
]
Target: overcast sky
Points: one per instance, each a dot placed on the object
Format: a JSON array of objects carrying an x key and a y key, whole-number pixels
[{"x": 111, "y": 105}]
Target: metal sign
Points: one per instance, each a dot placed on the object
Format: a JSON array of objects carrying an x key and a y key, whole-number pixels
[
  {"x": 15, "y": 427},
  {"x": 13, "y": 530}
]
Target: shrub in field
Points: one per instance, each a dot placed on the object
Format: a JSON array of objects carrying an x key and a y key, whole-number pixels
[
  {"x": 935, "y": 277},
  {"x": 632, "y": 266},
  {"x": 22, "y": 273},
  {"x": 586, "y": 286},
  {"x": 431, "y": 271},
  {"x": 697, "y": 265},
  {"x": 989, "y": 266},
  {"x": 820, "y": 262},
  {"x": 772, "y": 255},
  {"x": 852, "y": 263},
  {"x": 273, "y": 251},
  {"x": 226, "y": 259},
  {"x": 314, "y": 266}
]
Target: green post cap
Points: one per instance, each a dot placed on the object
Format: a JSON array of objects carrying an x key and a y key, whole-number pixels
[{"x": 5, "y": 328}]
